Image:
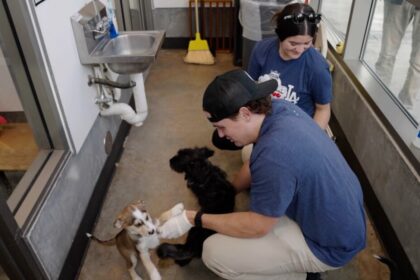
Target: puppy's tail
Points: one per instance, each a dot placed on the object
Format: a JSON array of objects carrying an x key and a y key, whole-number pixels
[
  {"x": 393, "y": 268},
  {"x": 109, "y": 242}
]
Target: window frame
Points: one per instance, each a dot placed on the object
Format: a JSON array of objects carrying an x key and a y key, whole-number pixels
[
  {"x": 31, "y": 73},
  {"x": 358, "y": 28}
]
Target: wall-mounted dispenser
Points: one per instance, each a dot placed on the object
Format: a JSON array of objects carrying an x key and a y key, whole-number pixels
[{"x": 111, "y": 19}]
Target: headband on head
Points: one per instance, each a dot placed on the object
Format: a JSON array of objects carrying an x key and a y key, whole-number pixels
[{"x": 301, "y": 17}]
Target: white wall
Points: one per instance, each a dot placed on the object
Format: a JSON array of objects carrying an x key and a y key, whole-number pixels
[
  {"x": 76, "y": 97},
  {"x": 9, "y": 99}
]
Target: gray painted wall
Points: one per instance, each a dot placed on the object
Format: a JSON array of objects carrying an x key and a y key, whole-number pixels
[
  {"x": 176, "y": 21},
  {"x": 394, "y": 181},
  {"x": 173, "y": 20},
  {"x": 52, "y": 234}
]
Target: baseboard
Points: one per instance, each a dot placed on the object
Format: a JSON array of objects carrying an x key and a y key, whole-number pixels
[
  {"x": 14, "y": 117},
  {"x": 75, "y": 257},
  {"x": 379, "y": 219},
  {"x": 215, "y": 45},
  {"x": 176, "y": 43}
]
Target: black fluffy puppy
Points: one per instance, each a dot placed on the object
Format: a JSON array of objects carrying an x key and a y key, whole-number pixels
[{"x": 215, "y": 195}]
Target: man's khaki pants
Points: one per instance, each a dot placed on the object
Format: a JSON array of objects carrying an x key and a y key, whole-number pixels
[{"x": 281, "y": 254}]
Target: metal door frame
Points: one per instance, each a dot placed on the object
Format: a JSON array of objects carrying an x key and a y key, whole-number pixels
[
  {"x": 123, "y": 14},
  {"x": 30, "y": 71}
]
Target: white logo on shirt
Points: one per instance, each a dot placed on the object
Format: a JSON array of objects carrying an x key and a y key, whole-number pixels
[{"x": 282, "y": 92}]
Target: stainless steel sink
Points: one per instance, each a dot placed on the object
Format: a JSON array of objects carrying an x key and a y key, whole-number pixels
[{"x": 130, "y": 52}]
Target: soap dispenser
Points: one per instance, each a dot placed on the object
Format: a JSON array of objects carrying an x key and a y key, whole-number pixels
[
  {"x": 416, "y": 141},
  {"x": 111, "y": 17}
]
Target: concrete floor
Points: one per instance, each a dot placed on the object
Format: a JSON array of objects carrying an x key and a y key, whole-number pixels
[{"x": 174, "y": 91}]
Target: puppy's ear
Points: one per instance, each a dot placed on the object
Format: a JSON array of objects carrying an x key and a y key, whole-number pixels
[
  {"x": 140, "y": 204},
  {"x": 207, "y": 152},
  {"x": 119, "y": 223},
  {"x": 125, "y": 218}
]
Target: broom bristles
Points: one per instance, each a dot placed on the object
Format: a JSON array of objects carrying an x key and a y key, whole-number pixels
[
  {"x": 198, "y": 52},
  {"x": 199, "y": 57}
]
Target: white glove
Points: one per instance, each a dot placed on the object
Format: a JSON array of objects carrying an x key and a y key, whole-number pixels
[
  {"x": 174, "y": 211},
  {"x": 177, "y": 209},
  {"x": 175, "y": 227}
]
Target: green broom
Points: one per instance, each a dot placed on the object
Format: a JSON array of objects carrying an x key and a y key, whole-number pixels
[{"x": 198, "y": 50}]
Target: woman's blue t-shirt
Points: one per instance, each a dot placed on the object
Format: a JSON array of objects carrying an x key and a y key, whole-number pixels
[{"x": 303, "y": 81}]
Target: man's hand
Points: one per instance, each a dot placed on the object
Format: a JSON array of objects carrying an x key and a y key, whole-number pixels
[
  {"x": 174, "y": 211},
  {"x": 175, "y": 227}
]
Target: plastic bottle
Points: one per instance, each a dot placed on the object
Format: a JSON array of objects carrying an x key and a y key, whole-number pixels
[
  {"x": 416, "y": 141},
  {"x": 111, "y": 17}
]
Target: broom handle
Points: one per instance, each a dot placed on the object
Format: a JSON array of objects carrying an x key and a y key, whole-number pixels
[{"x": 197, "y": 28}]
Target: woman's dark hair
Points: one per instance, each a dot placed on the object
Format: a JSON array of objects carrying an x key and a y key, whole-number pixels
[{"x": 286, "y": 26}]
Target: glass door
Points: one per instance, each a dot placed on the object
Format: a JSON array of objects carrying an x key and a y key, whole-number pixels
[
  {"x": 18, "y": 148},
  {"x": 32, "y": 140},
  {"x": 25, "y": 144}
]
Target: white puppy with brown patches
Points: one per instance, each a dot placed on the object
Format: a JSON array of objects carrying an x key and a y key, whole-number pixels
[{"x": 138, "y": 235}]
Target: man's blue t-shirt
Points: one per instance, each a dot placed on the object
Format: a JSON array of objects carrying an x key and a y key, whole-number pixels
[
  {"x": 298, "y": 171},
  {"x": 303, "y": 81}
]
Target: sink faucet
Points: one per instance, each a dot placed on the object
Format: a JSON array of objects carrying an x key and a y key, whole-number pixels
[{"x": 101, "y": 29}]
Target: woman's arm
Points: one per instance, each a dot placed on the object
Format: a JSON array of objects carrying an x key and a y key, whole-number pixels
[
  {"x": 238, "y": 224},
  {"x": 322, "y": 114},
  {"x": 242, "y": 180},
  {"x": 321, "y": 90}
]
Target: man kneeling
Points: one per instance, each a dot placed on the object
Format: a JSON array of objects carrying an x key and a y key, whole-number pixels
[{"x": 306, "y": 205}]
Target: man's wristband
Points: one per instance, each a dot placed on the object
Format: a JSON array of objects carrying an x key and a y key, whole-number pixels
[{"x": 197, "y": 219}]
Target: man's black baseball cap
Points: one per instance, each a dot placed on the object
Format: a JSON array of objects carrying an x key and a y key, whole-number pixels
[{"x": 227, "y": 93}]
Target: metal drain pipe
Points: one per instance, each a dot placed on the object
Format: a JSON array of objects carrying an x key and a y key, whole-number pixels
[{"x": 95, "y": 80}]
